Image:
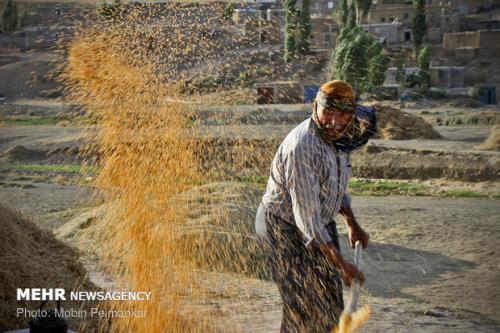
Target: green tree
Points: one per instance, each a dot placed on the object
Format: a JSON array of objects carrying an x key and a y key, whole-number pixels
[
  {"x": 419, "y": 26},
  {"x": 365, "y": 6},
  {"x": 351, "y": 17},
  {"x": 359, "y": 60},
  {"x": 424, "y": 63},
  {"x": 401, "y": 72},
  {"x": 9, "y": 17},
  {"x": 378, "y": 64},
  {"x": 304, "y": 28},
  {"x": 228, "y": 11},
  {"x": 290, "y": 30},
  {"x": 342, "y": 13},
  {"x": 362, "y": 8}
]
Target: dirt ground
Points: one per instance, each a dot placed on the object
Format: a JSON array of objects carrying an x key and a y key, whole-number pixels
[{"x": 432, "y": 265}]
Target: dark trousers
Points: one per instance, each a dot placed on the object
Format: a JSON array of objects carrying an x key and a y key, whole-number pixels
[{"x": 309, "y": 284}]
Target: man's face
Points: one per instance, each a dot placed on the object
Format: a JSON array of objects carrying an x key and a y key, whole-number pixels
[{"x": 335, "y": 121}]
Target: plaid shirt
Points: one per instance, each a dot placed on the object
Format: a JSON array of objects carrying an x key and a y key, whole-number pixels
[{"x": 308, "y": 182}]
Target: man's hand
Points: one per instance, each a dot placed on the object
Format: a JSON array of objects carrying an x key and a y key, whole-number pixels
[
  {"x": 357, "y": 233},
  {"x": 349, "y": 272}
]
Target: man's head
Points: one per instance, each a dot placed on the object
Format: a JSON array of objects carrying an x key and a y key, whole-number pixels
[{"x": 334, "y": 108}]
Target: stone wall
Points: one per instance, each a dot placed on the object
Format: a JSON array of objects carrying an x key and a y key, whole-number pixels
[
  {"x": 469, "y": 39},
  {"x": 472, "y": 39}
]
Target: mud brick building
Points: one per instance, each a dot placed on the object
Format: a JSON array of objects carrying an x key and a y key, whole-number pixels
[{"x": 392, "y": 19}]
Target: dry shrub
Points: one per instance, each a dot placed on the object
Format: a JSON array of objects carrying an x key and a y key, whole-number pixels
[{"x": 30, "y": 258}]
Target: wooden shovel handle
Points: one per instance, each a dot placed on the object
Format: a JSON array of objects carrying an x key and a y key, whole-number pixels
[{"x": 355, "y": 286}]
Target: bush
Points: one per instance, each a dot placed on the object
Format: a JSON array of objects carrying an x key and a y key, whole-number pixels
[{"x": 436, "y": 93}]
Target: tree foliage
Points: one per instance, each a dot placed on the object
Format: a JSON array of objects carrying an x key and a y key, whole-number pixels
[
  {"x": 342, "y": 13},
  {"x": 401, "y": 71},
  {"x": 111, "y": 11},
  {"x": 351, "y": 17},
  {"x": 304, "y": 28},
  {"x": 297, "y": 29},
  {"x": 359, "y": 59},
  {"x": 10, "y": 18},
  {"x": 378, "y": 64},
  {"x": 362, "y": 8},
  {"x": 419, "y": 26},
  {"x": 424, "y": 63},
  {"x": 290, "y": 30}
]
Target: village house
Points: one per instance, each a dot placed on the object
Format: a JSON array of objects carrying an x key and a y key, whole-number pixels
[{"x": 392, "y": 19}]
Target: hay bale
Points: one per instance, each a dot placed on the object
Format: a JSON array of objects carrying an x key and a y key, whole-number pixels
[
  {"x": 493, "y": 141},
  {"x": 33, "y": 258},
  {"x": 393, "y": 124}
]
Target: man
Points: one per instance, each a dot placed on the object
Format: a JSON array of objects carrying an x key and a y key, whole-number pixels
[{"x": 306, "y": 190}]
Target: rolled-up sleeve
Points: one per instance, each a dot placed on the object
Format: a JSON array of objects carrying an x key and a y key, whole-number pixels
[{"x": 304, "y": 188}]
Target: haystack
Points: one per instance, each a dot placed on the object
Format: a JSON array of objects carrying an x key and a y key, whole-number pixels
[
  {"x": 493, "y": 141},
  {"x": 33, "y": 258},
  {"x": 393, "y": 124}
]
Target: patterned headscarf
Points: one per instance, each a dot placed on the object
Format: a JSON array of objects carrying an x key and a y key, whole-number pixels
[
  {"x": 334, "y": 94},
  {"x": 340, "y": 95}
]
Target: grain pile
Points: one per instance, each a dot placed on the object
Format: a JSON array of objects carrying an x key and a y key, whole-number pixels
[
  {"x": 30, "y": 258},
  {"x": 21, "y": 153}
]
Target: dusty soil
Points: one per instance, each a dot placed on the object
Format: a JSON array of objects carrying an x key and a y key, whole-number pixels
[
  {"x": 432, "y": 265},
  {"x": 30, "y": 74}
]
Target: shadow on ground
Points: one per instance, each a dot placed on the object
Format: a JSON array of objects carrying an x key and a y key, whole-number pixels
[{"x": 389, "y": 269}]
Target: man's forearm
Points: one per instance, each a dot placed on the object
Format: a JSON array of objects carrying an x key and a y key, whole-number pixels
[
  {"x": 356, "y": 233},
  {"x": 348, "y": 214},
  {"x": 331, "y": 252},
  {"x": 347, "y": 270}
]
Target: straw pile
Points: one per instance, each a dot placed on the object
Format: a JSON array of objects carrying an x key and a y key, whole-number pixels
[
  {"x": 393, "y": 124},
  {"x": 493, "y": 141},
  {"x": 32, "y": 258},
  {"x": 220, "y": 228},
  {"x": 218, "y": 234}
]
